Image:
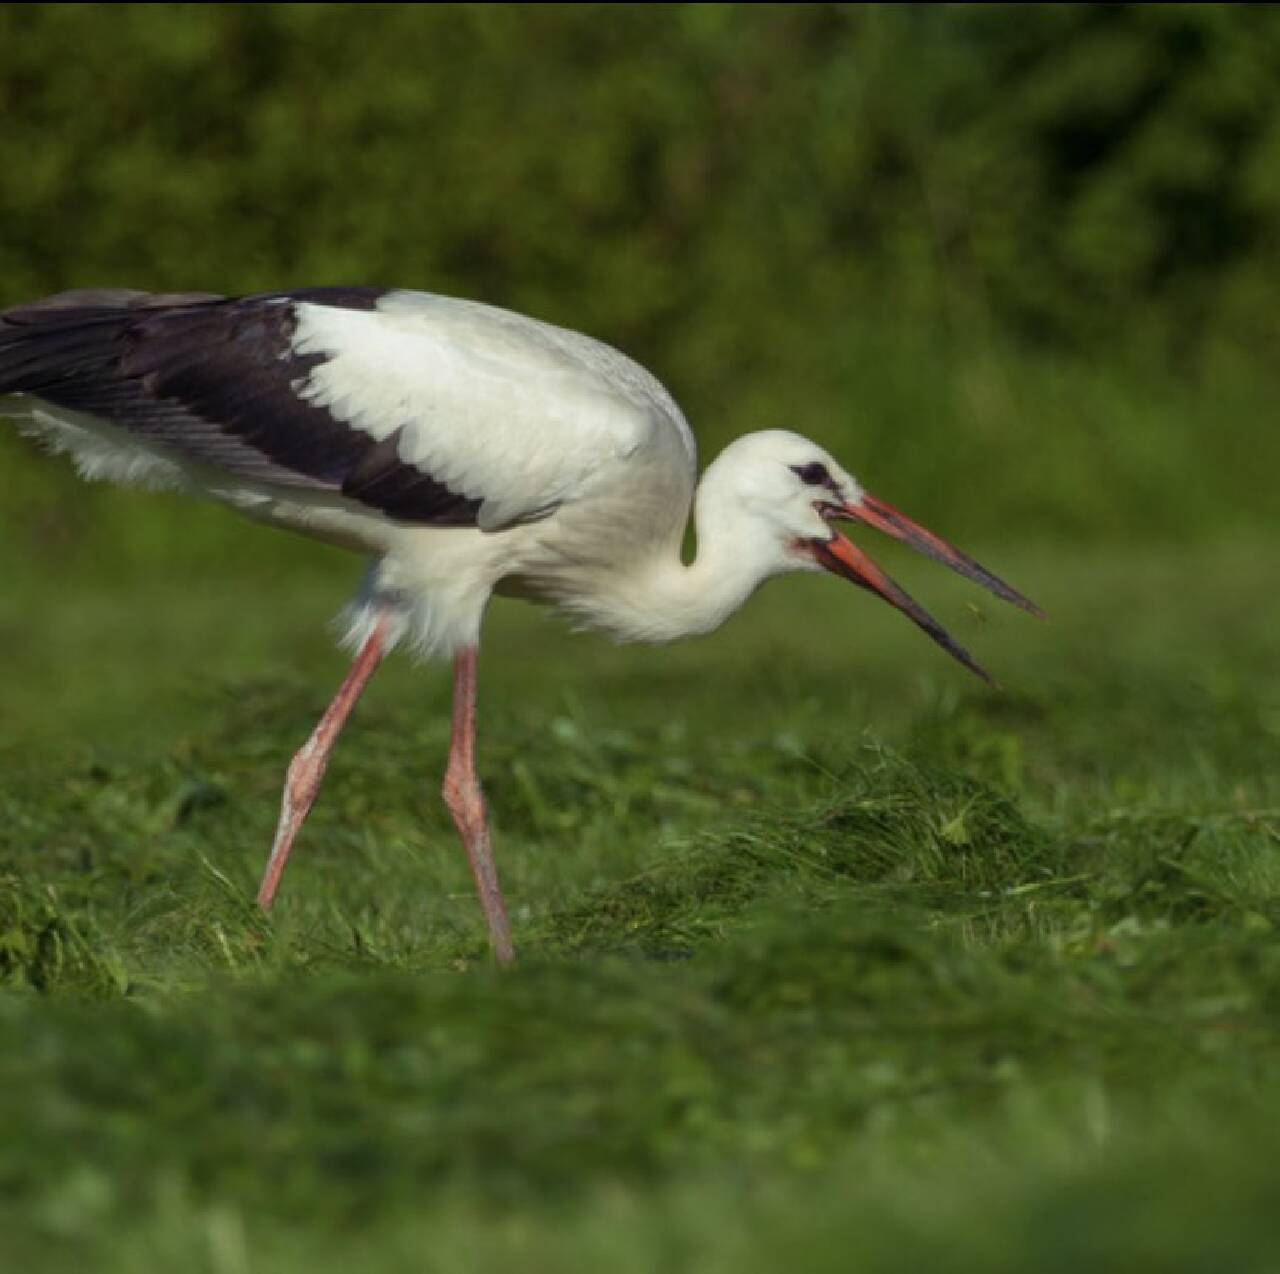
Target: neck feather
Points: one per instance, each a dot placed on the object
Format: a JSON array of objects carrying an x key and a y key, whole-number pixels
[{"x": 661, "y": 599}]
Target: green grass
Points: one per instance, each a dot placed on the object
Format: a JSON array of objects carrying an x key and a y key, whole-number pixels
[{"x": 831, "y": 957}]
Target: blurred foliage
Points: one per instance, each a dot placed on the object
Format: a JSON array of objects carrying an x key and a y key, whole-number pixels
[{"x": 859, "y": 221}]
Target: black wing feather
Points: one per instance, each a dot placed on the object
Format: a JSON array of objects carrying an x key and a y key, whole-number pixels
[
  {"x": 382, "y": 479},
  {"x": 213, "y": 378}
]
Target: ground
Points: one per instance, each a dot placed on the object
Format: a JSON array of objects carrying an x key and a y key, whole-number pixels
[{"x": 831, "y": 956}]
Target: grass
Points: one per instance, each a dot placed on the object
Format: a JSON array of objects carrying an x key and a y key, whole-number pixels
[{"x": 831, "y": 957}]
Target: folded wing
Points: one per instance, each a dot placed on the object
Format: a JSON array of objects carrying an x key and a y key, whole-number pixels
[{"x": 430, "y": 410}]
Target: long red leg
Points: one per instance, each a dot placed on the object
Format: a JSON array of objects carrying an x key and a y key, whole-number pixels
[
  {"x": 466, "y": 803},
  {"x": 306, "y": 770}
]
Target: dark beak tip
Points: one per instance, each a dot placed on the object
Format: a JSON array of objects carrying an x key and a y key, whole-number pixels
[
  {"x": 844, "y": 559},
  {"x": 884, "y": 517},
  {"x": 1025, "y": 604},
  {"x": 986, "y": 676}
]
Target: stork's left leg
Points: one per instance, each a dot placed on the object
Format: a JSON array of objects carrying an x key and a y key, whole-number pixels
[
  {"x": 466, "y": 803},
  {"x": 302, "y": 783}
]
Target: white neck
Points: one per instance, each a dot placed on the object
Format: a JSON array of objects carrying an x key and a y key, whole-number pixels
[{"x": 662, "y": 599}]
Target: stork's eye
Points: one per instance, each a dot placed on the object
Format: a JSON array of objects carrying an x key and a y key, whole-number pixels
[{"x": 813, "y": 474}]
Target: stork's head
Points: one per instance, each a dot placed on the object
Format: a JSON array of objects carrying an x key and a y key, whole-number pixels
[{"x": 784, "y": 494}]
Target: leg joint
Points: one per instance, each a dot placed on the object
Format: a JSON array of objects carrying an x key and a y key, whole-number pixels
[
  {"x": 302, "y": 779},
  {"x": 462, "y": 795}
]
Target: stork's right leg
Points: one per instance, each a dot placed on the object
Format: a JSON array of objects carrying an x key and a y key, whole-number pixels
[
  {"x": 306, "y": 770},
  {"x": 466, "y": 803}
]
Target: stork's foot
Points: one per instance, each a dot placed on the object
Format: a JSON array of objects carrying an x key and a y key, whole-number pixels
[
  {"x": 301, "y": 787},
  {"x": 466, "y": 803}
]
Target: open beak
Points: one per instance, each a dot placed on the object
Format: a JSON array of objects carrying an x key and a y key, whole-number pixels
[{"x": 841, "y": 557}]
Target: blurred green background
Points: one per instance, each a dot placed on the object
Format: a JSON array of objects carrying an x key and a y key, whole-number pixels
[{"x": 1015, "y": 266}]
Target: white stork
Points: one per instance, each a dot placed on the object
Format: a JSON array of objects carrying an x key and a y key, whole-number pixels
[{"x": 467, "y": 450}]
